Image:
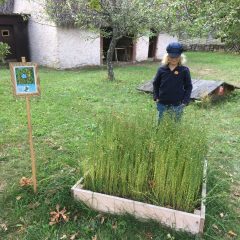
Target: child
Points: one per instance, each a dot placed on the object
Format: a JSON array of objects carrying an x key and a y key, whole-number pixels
[{"x": 172, "y": 85}]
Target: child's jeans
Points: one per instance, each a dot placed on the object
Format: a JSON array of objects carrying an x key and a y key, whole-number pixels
[{"x": 175, "y": 112}]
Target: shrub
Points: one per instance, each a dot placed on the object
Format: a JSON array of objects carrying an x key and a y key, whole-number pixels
[
  {"x": 136, "y": 159},
  {"x": 4, "y": 51}
]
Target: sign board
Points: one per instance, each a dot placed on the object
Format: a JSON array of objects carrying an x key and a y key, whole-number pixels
[
  {"x": 25, "y": 82},
  {"x": 25, "y": 78}
]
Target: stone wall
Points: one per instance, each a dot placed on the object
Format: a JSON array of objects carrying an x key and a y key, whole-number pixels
[{"x": 205, "y": 47}]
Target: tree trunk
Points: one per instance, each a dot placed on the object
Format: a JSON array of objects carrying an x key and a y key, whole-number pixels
[{"x": 110, "y": 53}]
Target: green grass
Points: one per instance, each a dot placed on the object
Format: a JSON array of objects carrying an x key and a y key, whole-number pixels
[
  {"x": 134, "y": 158},
  {"x": 64, "y": 119}
]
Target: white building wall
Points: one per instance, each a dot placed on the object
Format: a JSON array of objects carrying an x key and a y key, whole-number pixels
[
  {"x": 142, "y": 46},
  {"x": 163, "y": 40},
  {"x": 42, "y": 33},
  {"x": 57, "y": 47},
  {"x": 43, "y": 45},
  {"x": 68, "y": 48},
  {"x": 78, "y": 48}
]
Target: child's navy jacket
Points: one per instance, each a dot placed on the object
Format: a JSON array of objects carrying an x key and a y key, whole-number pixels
[{"x": 172, "y": 87}]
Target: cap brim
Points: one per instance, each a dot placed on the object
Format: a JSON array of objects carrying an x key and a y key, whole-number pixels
[{"x": 174, "y": 55}]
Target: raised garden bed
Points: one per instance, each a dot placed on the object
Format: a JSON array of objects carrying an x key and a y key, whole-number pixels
[
  {"x": 179, "y": 220},
  {"x": 133, "y": 166}
]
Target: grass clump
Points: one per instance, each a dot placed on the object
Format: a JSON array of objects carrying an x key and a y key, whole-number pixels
[{"x": 136, "y": 159}]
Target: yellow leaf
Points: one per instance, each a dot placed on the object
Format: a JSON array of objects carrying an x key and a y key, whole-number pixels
[
  {"x": 232, "y": 234},
  {"x": 18, "y": 197}
]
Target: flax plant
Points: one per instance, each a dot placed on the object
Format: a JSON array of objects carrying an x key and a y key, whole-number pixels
[{"x": 159, "y": 164}]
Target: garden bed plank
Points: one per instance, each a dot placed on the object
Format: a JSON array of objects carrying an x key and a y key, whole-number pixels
[
  {"x": 179, "y": 220},
  {"x": 116, "y": 205}
]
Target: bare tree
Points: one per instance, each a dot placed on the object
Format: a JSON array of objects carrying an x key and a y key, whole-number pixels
[{"x": 122, "y": 17}]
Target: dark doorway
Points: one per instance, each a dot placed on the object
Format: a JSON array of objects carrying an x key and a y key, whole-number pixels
[
  {"x": 152, "y": 47},
  {"x": 14, "y": 32},
  {"x": 123, "y": 51},
  {"x": 6, "y": 36}
]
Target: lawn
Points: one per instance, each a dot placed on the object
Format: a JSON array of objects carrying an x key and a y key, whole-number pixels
[{"x": 64, "y": 119}]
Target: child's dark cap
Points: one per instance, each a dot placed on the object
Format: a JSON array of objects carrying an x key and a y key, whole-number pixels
[{"x": 174, "y": 49}]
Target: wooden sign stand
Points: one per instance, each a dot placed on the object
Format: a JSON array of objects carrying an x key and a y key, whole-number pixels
[
  {"x": 25, "y": 83},
  {"x": 34, "y": 178}
]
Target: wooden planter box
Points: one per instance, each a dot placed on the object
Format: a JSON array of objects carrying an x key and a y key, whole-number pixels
[{"x": 179, "y": 220}]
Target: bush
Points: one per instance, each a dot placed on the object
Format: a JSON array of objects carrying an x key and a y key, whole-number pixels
[
  {"x": 4, "y": 51},
  {"x": 136, "y": 159}
]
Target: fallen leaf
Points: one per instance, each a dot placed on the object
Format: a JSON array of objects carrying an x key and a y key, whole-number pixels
[
  {"x": 215, "y": 226},
  {"x": 25, "y": 181},
  {"x": 21, "y": 227},
  {"x": 102, "y": 220},
  {"x": 151, "y": 183},
  {"x": 149, "y": 235},
  {"x": 73, "y": 237},
  {"x": 237, "y": 194},
  {"x": 94, "y": 237},
  {"x": 52, "y": 223},
  {"x": 33, "y": 205},
  {"x": 232, "y": 234},
  {"x": 4, "y": 227},
  {"x": 51, "y": 192},
  {"x": 18, "y": 197},
  {"x": 58, "y": 216},
  {"x": 170, "y": 237},
  {"x": 63, "y": 237},
  {"x": 114, "y": 225},
  {"x": 47, "y": 201}
]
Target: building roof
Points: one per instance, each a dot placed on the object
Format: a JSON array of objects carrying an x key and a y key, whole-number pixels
[{"x": 7, "y": 7}]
